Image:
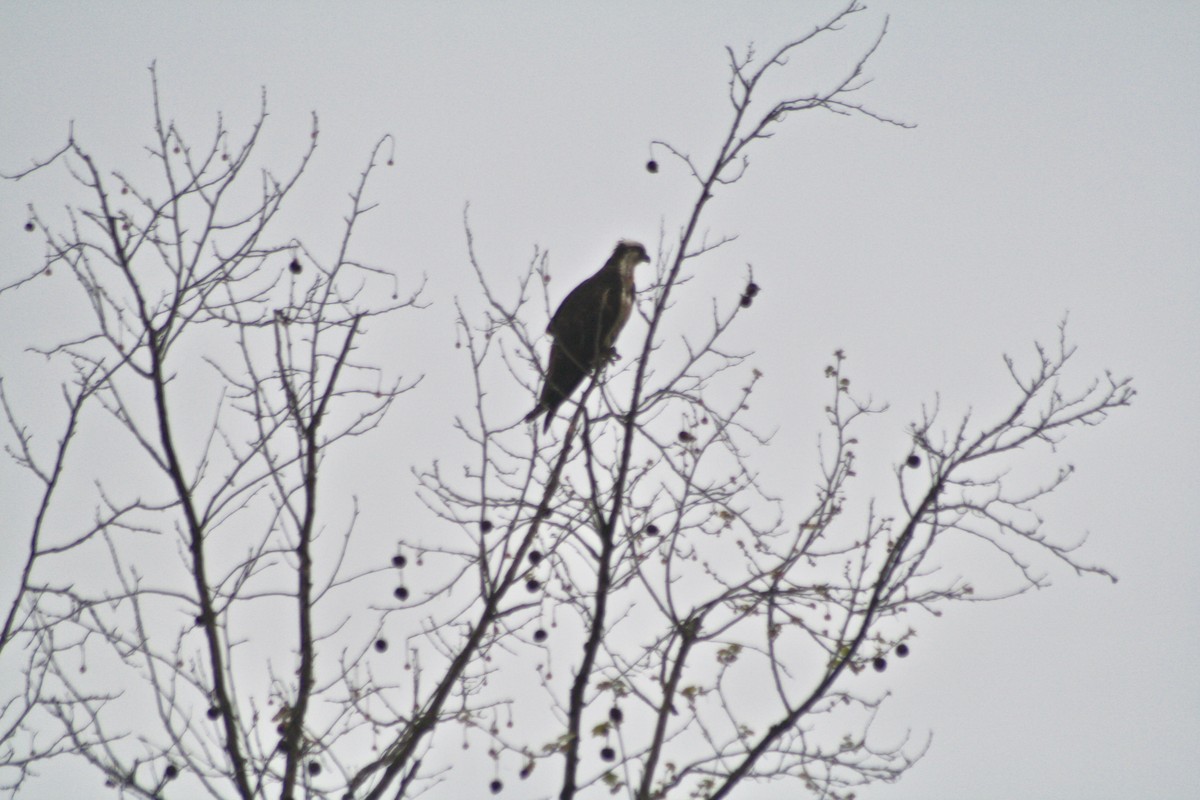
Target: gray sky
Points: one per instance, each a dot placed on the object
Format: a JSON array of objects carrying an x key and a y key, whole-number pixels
[{"x": 1054, "y": 168}]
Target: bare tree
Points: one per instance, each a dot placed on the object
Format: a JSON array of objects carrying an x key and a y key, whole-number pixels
[
  {"x": 716, "y": 622},
  {"x": 617, "y": 606},
  {"x": 226, "y": 356}
]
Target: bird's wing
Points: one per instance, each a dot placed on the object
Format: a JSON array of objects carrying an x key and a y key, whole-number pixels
[
  {"x": 580, "y": 324},
  {"x": 574, "y": 306}
]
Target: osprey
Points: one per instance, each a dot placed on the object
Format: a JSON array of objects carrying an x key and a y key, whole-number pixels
[{"x": 586, "y": 326}]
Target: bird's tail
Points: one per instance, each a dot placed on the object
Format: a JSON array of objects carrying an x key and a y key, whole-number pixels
[{"x": 537, "y": 412}]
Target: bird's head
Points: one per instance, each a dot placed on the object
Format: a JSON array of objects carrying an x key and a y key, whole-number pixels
[{"x": 629, "y": 254}]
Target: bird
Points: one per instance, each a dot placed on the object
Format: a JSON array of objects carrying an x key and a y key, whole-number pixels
[{"x": 586, "y": 325}]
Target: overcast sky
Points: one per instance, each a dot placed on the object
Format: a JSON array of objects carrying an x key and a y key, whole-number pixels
[{"x": 1054, "y": 168}]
